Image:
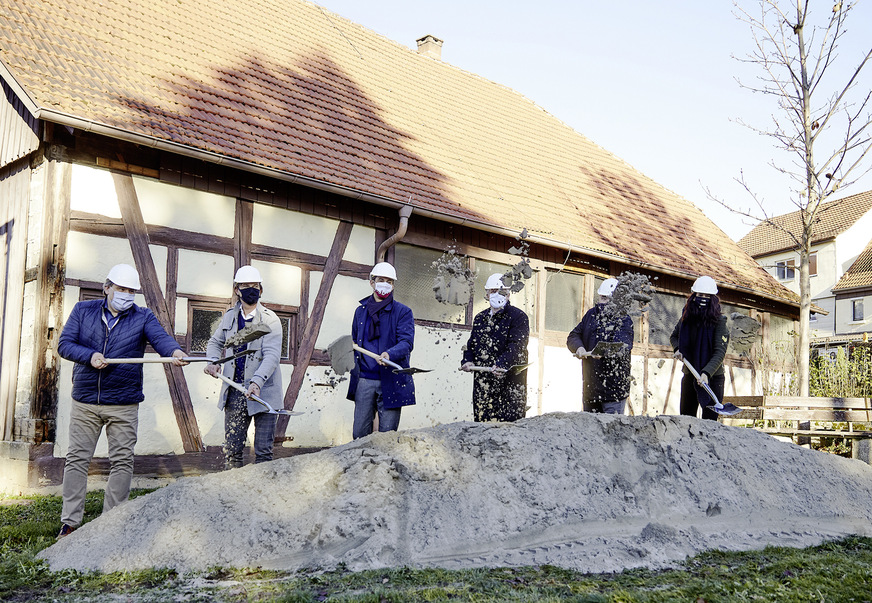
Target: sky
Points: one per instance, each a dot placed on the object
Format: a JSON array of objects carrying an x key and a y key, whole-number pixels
[{"x": 653, "y": 82}]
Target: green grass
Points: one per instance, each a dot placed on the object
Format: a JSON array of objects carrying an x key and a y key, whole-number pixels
[{"x": 833, "y": 572}]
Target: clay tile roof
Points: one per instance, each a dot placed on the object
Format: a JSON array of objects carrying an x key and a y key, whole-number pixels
[
  {"x": 835, "y": 218},
  {"x": 288, "y": 86},
  {"x": 859, "y": 275}
]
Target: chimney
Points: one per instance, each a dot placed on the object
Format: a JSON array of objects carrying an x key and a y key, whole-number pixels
[{"x": 430, "y": 46}]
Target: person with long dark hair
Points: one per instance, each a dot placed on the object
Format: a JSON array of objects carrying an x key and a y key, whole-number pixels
[{"x": 701, "y": 337}]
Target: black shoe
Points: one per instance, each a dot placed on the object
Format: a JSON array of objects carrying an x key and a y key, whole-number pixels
[{"x": 65, "y": 531}]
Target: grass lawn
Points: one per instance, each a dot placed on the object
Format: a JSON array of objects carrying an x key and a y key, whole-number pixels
[{"x": 833, "y": 572}]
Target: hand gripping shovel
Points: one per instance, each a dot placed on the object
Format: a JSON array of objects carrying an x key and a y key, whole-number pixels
[
  {"x": 169, "y": 359},
  {"x": 341, "y": 354},
  {"x": 269, "y": 408},
  {"x": 727, "y": 409}
]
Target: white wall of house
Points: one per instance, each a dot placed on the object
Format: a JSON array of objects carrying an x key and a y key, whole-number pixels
[
  {"x": 443, "y": 395},
  {"x": 845, "y": 322},
  {"x": 852, "y": 242}
]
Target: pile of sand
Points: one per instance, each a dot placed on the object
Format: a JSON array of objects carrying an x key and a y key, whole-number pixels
[{"x": 589, "y": 492}]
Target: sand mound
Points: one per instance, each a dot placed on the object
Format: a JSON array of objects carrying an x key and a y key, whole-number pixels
[{"x": 590, "y": 492}]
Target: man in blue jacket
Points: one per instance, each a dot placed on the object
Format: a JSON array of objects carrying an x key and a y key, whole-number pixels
[
  {"x": 107, "y": 394},
  {"x": 498, "y": 342},
  {"x": 385, "y": 327}
]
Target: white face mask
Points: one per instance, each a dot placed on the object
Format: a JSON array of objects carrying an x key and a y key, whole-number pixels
[
  {"x": 383, "y": 289},
  {"x": 122, "y": 301},
  {"x": 497, "y": 300}
]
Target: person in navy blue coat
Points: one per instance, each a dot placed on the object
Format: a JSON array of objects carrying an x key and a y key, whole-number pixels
[
  {"x": 606, "y": 380},
  {"x": 385, "y": 327},
  {"x": 107, "y": 394},
  {"x": 498, "y": 342}
]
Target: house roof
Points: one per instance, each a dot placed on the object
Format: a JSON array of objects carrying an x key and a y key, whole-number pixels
[
  {"x": 859, "y": 275},
  {"x": 286, "y": 86},
  {"x": 835, "y": 217}
]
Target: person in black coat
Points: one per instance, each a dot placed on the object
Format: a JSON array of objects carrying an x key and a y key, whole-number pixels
[
  {"x": 606, "y": 380},
  {"x": 498, "y": 342},
  {"x": 701, "y": 337}
]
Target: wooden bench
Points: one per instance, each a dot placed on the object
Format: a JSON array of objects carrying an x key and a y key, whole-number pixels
[{"x": 802, "y": 418}]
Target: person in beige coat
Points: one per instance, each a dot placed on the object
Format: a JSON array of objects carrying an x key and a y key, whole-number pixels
[{"x": 257, "y": 372}]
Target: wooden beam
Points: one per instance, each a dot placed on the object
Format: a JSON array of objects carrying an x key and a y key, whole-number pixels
[
  {"x": 50, "y": 293},
  {"x": 242, "y": 233},
  {"x": 137, "y": 234},
  {"x": 313, "y": 324}
]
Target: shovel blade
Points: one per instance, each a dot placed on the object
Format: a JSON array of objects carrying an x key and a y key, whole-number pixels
[
  {"x": 341, "y": 354},
  {"x": 411, "y": 371}
]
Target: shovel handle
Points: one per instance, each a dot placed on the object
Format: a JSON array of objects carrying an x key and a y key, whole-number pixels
[
  {"x": 161, "y": 360},
  {"x": 366, "y": 352},
  {"x": 238, "y": 387},
  {"x": 705, "y": 386}
]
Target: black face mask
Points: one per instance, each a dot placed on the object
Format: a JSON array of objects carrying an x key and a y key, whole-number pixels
[
  {"x": 701, "y": 302},
  {"x": 250, "y": 295}
]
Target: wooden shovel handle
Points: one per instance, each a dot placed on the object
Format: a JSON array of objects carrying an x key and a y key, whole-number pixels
[{"x": 376, "y": 356}]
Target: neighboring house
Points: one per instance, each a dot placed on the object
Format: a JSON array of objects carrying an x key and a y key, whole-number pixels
[
  {"x": 190, "y": 138},
  {"x": 838, "y": 266}
]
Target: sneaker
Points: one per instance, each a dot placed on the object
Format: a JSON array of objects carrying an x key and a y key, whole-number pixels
[{"x": 65, "y": 531}]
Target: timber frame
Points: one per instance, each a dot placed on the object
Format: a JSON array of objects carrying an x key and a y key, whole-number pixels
[{"x": 60, "y": 150}]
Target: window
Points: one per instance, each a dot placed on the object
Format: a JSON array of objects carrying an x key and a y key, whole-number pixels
[
  {"x": 664, "y": 311},
  {"x": 857, "y": 310},
  {"x": 563, "y": 300},
  {"x": 813, "y": 317},
  {"x": 812, "y": 264},
  {"x": 785, "y": 270},
  {"x": 203, "y": 319},
  {"x": 414, "y": 287}
]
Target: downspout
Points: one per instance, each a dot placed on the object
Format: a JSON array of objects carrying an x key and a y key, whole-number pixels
[{"x": 405, "y": 212}]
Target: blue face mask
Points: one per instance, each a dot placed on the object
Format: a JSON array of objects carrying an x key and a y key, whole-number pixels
[
  {"x": 122, "y": 301},
  {"x": 250, "y": 295}
]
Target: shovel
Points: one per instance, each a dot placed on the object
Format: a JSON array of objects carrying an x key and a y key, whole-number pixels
[
  {"x": 606, "y": 348},
  {"x": 269, "y": 409},
  {"x": 342, "y": 358},
  {"x": 727, "y": 409},
  {"x": 169, "y": 359},
  {"x": 512, "y": 370}
]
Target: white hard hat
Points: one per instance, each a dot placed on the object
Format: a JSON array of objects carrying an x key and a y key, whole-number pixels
[
  {"x": 383, "y": 269},
  {"x": 705, "y": 284},
  {"x": 495, "y": 281},
  {"x": 124, "y": 275},
  {"x": 247, "y": 274},
  {"x": 608, "y": 287}
]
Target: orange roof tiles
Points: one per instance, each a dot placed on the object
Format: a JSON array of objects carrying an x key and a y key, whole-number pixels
[
  {"x": 859, "y": 275},
  {"x": 835, "y": 217},
  {"x": 286, "y": 85}
]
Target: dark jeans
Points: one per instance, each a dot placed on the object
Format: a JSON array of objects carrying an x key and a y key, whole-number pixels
[
  {"x": 693, "y": 396},
  {"x": 367, "y": 401},
  {"x": 236, "y": 422}
]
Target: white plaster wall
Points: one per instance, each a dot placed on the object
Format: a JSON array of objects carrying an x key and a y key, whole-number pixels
[
  {"x": 828, "y": 271},
  {"x": 825, "y": 325},
  {"x": 291, "y": 230},
  {"x": 90, "y": 257},
  {"x": 281, "y": 282},
  {"x": 344, "y": 298},
  {"x": 844, "y": 322},
  {"x": 203, "y": 273},
  {"x": 361, "y": 245},
  {"x": 852, "y": 242},
  {"x": 92, "y": 190},
  {"x": 181, "y": 323},
  {"x": 185, "y": 208},
  {"x": 561, "y": 382}
]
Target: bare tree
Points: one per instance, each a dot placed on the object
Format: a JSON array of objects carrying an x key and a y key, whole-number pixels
[{"x": 822, "y": 119}]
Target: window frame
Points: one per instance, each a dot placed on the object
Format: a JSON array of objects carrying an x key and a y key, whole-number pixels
[
  {"x": 855, "y": 304},
  {"x": 291, "y": 313},
  {"x": 786, "y": 268}
]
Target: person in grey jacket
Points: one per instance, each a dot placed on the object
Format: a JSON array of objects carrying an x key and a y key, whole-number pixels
[
  {"x": 701, "y": 337},
  {"x": 257, "y": 372},
  {"x": 107, "y": 394}
]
